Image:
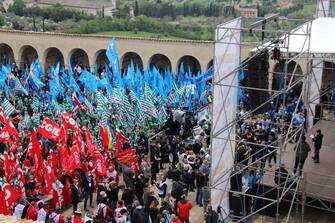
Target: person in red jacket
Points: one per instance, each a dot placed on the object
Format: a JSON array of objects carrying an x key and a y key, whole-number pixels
[
  {"x": 175, "y": 219},
  {"x": 183, "y": 208},
  {"x": 32, "y": 212}
]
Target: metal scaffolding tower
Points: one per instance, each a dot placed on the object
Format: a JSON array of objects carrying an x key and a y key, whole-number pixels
[{"x": 270, "y": 35}]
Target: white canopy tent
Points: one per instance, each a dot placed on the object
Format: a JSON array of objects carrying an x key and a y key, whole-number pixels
[{"x": 322, "y": 37}]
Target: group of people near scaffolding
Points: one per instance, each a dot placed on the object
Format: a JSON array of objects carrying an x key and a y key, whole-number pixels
[
  {"x": 105, "y": 139},
  {"x": 259, "y": 138}
]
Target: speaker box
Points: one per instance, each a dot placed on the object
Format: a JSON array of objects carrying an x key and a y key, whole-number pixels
[
  {"x": 236, "y": 203},
  {"x": 258, "y": 77}
]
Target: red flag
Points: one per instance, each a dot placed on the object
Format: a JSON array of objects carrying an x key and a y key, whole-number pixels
[
  {"x": 64, "y": 135},
  {"x": 130, "y": 156},
  {"x": 21, "y": 182},
  {"x": 104, "y": 137},
  {"x": 91, "y": 145},
  {"x": 79, "y": 141},
  {"x": 3, "y": 208},
  {"x": 50, "y": 130},
  {"x": 11, "y": 195},
  {"x": 5, "y": 137},
  {"x": 50, "y": 176},
  {"x": 120, "y": 136},
  {"x": 11, "y": 129},
  {"x": 2, "y": 116},
  {"x": 69, "y": 122},
  {"x": 8, "y": 164},
  {"x": 119, "y": 139},
  {"x": 64, "y": 157},
  {"x": 35, "y": 150},
  {"x": 74, "y": 158},
  {"x": 100, "y": 164}
]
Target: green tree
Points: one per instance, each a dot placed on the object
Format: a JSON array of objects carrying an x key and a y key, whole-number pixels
[
  {"x": 17, "y": 7},
  {"x": 2, "y": 21},
  {"x": 136, "y": 11}
]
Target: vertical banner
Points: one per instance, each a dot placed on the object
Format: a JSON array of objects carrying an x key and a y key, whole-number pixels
[
  {"x": 225, "y": 83},
  {"x": 315, "y": 89}
]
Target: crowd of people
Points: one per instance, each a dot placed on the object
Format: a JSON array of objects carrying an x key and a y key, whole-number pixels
[
  {"x": 57, "y": 152},
  {"x": 259, "y": 138}
]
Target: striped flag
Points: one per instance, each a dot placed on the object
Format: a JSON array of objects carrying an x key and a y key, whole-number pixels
[
  {"x": 19, "y": 87},
  {"x": 89, "y": 106},
  {"x": 7, "y": 107},
  {"x": 36, "y": 104}
]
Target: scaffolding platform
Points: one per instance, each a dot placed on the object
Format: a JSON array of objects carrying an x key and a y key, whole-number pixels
[{"x": 319, "y": 178}]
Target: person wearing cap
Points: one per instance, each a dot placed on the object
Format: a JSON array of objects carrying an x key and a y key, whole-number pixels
[{"x": 183, "y": 209}]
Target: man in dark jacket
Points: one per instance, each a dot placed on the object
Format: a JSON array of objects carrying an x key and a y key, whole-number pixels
[
  {"x": 200, "y": 183},
  {"x": 139, "y": 214},
  {"x": 302, "y": 150},
  {"x": 88, "y": 184},
  {"x": 317, "y": 139},
  {"x": 75, "y": 195}
]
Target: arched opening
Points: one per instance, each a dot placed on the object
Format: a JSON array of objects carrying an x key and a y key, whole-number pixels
[
  {"x": 27, "y": 55},
  {"x": 131, "y": 57},
  {"x": 101, "y": 58},
  {"x": 190, "y": 63},
  {"x": 210, "y": 64},
  {"x": 161, "y": 62},
  {"x": 6, "y": 54},
  {"x": 79, "y": 56},
  {"x": 52, "y": 56},
  {"x": 293, "y": 69}
]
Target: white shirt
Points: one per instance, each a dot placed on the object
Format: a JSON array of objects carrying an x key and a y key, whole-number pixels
[
  {"x": 18, "y": 210},
  {"x": 41, "y": 215}
]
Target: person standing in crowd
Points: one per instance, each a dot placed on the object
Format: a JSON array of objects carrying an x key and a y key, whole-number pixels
[
  {"x": 75, "y": 195},
  {"x": 162, "y": 188},
  {"x": 113, "y": 194},
  {"x": 183, "y": 208},
  {"x": 302, "y": 149},
  {"x": 139, "y": 214},
  {"x": 200, "y": 182},
  {"x": 41, "y": 213},
  {"x": 88, "y": 184},
  {"x": 18, "y": 209},
  {"x": 128, "y": 175},
  {"x": 317, "y": 139}
]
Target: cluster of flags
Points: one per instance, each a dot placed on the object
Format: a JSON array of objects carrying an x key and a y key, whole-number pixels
[{"x": 135, "y": 98}]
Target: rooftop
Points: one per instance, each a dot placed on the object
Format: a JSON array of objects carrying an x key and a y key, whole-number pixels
[{"x": 77, "y": 3}]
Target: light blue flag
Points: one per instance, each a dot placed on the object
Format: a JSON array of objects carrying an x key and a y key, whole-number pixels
[{"x": 113, "y": 57}]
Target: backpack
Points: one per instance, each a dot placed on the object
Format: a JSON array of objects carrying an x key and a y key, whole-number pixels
[{"x": 101, "y": 212}]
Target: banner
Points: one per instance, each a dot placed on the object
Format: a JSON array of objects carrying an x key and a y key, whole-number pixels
[
  {"x": 50, "y": 130},
  {"x": 100, "y": 164},
  {"x": 130, "y": 156},
  {"x": 225, "y": 83}
]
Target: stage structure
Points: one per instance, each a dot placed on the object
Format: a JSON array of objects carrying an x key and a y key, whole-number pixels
[{"x": 269, "y": 42}]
